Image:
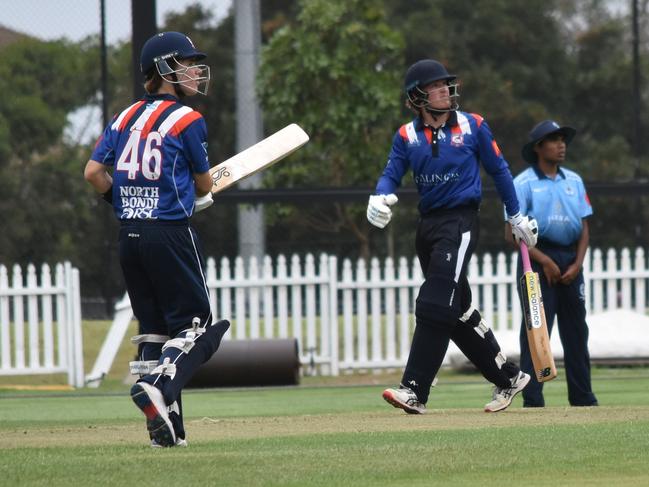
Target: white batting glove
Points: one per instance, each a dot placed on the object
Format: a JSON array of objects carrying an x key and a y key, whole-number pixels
[
  {"x": 524, "y": 228},
  {"x": 379, "y": 213},
  {"x": 203, "y": 202}
]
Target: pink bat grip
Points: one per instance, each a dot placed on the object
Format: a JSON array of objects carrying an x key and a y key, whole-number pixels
[{"x": 525, "y": 255}]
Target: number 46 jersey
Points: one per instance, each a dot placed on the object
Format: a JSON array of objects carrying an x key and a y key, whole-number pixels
[{"x": 154, "y": 146}]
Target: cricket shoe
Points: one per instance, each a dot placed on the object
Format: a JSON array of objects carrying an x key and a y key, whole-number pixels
[
  {"x": 503, "y": 397},
  {"x": 179, "y": 442},
  {"x": 150, "y": 401},
  {"x": 405, "y": 399}
]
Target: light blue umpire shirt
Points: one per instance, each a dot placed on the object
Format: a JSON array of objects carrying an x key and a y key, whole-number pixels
[{"x": 558, "y": 204}]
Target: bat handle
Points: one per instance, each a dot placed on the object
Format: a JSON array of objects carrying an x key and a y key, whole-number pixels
[{"x": 525, "y": 255}]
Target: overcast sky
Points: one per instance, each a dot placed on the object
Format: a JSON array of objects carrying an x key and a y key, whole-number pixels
[{"x": 76, "y": 19}]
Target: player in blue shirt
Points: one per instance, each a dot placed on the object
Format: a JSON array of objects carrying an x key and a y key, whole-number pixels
[
  {"x": 444, "y": 147},
  {"x": 557, "y": 199},
  {"x": 157, "y": 150}
]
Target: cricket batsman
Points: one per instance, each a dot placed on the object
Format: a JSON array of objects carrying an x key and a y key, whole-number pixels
[
  {"x": 157, "y": 150},
  {"x": 444, "y": 148}
]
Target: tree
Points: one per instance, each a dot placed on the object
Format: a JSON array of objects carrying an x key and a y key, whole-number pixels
[
  {"x": 40, "y": 83},
  {"x": 337, "y": 72}
]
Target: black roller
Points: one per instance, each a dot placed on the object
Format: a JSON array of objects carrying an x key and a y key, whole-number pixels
[{"x": 254, "y": 362}]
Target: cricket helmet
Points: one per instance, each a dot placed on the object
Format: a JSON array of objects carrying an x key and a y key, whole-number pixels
[
  {"x": 423, "y": 73},
  {"x": 165, "y": 52}
]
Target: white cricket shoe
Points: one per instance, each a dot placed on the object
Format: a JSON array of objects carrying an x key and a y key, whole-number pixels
[
  {"x": 502, "y": 398},
  {"x": 179, "y": 442},
  {"x": 150, "y": 401},
  {"x": 405, "y": 399}
]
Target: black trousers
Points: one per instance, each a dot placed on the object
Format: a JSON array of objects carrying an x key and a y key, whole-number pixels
[
  {"x": 445, "y": 242},
  {"x": 567, "y": 303}
]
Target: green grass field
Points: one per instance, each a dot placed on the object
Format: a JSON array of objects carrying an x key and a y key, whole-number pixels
[{"x": 329, "y": 432}]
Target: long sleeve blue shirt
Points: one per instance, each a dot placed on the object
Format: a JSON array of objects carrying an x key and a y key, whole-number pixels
[{"x": 445, "y": 163}]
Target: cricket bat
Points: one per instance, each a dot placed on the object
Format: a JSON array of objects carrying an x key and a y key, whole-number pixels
[
  {"x": 257, "y": 157},
  {"x": 537, "y": 328}
]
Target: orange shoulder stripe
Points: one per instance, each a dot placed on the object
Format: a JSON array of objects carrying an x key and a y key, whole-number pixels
[
  {"x": 129, "y": 115},
  {"x": 182, "y": 124},
  {"x": 154, "y": 117},
  {"x": 495, "y": 147},
  {"x": 478, "y": 118}
]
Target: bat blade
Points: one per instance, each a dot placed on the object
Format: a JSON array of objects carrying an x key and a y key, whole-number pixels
[
  {"x": 536, "y": 326},
  {"x": 258, "y": 157}
]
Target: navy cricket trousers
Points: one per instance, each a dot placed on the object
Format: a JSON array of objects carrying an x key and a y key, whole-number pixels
[
  {"x": 567, "y": 303},
  {"x": 163, "y": 268}
]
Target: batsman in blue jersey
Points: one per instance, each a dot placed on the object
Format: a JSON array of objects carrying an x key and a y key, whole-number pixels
[
  {"x": 444, "y": 147},
  {"x": 156, "y": 150}
]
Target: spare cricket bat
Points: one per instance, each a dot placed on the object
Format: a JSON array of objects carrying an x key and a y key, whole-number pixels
[
  {"x": 257, "y": 157},
  {"x": 537, "y": 328}
]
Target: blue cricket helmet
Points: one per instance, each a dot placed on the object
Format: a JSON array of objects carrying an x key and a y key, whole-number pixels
[{"x": 167, "y": 45}]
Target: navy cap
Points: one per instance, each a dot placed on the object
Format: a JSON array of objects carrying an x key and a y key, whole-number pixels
[{"x": 540, "y": 132}]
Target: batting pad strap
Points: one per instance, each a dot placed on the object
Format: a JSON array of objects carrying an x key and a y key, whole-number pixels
[
  {"x": 182, "y": 343},
  {"x": 465, "y": 317},
  {"x": 186, "y": 338},
  {"x": 165, "y": 368},
  {"x": 500, "y": 360},
  {"x": 482, "y": 329},
  {"x": 149, "y": 338},
  {"x": 142, "y": 367}
]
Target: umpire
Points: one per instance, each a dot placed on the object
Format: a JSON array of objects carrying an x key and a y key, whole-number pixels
[{"x": 557, "y": 199}]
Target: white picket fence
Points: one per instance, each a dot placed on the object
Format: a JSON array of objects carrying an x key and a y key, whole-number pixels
[
  {"x": 40, "y": 322},
  {"x": 345, "y": 316},
  {"x": 355, "y": 317}
]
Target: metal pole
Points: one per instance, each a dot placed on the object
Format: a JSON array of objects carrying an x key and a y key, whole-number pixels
[
  {"x": 110, "y": 248},
  {"x": 637, "y": 140},
  {"x": 143, "y": 26},
  {"x": 247, "y": 35},
  {"x": 637, "y": 100},
  {"x": 104, "y": 65}
]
